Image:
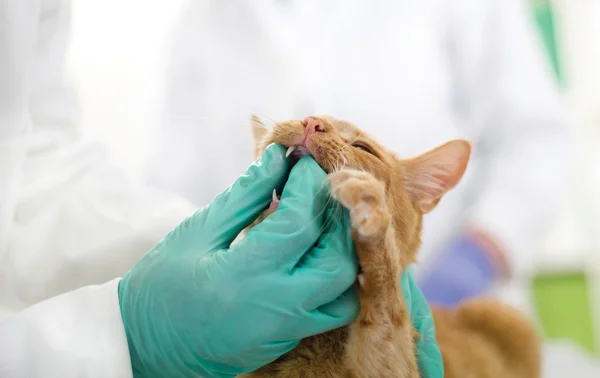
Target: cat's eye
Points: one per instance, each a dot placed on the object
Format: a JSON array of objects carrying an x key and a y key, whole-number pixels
[{"x": 363, "y": 147}]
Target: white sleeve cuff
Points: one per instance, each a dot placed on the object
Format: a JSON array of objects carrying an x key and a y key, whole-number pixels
[{"x": 79, "y": 334}]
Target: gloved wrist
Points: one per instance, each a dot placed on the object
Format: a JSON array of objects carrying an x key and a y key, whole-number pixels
[
  {"x": 138, "y": 367},
  {"x": 465, "y": 268}
]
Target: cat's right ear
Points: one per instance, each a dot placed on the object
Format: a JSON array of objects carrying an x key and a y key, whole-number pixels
[
  {"x": 259, "y": 133},
  {"x": 430, "y": 175}
]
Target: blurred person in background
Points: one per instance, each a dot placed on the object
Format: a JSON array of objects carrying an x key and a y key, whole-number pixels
[{"x": 412, "y": 73}]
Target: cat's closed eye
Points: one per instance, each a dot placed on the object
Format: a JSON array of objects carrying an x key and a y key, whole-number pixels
[{"x": 363, "y": 147}]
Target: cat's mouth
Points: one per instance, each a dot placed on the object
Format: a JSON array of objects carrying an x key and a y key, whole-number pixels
[{"x": 296, "y": 153}]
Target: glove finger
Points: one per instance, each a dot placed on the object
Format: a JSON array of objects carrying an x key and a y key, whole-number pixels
[
  {"x": 280, "y": 240},
  {"x": 338, "y": 313},
  {"x": 344, "y": 308},
  {"x": 331, "y": 267},
  {"x": 235, "y": 208}
]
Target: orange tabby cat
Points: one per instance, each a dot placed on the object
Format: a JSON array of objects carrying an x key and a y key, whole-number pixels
[{"x": 387, "y": 198}]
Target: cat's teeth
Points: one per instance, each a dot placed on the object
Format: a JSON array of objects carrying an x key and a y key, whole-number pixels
[
  {"x": 361, "y": 280},
  {"x": 274, "y": 195},
  {"x": 290, "y": 150}
]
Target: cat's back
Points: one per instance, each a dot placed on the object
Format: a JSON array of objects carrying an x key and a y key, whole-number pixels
[{"x": 485, "y": 338}]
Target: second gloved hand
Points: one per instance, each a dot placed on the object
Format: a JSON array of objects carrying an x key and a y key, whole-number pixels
[{"x": 464, "y": 269}]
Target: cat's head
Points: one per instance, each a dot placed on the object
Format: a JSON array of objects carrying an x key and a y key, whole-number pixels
[{"x": 414, "y": 185}]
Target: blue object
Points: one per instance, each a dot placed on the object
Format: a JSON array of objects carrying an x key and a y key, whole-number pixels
[{"x": 463, "y": 270}]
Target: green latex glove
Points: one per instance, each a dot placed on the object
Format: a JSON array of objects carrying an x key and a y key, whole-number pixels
[
  {"x": 428, "y": 351},
  {"x": 194, "y": 307}
]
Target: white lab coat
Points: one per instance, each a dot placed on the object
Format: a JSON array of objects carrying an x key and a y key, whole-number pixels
[
  {"x": 414, "y": 74},
  {"x": 68, "y": 216}
]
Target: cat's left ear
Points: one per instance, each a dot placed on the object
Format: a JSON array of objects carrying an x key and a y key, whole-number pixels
[
  {"x": 430, "y": 175},
  {"x": 259, "y": 133}
]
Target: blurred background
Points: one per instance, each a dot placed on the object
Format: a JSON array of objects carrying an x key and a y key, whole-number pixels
[{"x": 134, "y": 90}]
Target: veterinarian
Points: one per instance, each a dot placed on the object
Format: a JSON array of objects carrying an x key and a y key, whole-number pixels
[
  {"x": 414, "y": 74},
  {"x": 71, "y": 224}
]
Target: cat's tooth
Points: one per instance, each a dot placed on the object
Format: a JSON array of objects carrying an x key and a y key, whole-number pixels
[
  {"x": 361, "y": 280},
  {"x": 274, "y": 195},
  {"x": 290, "y": 150}
]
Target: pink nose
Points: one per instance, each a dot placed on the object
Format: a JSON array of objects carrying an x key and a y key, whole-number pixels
[{"x": 312, "y": 124}]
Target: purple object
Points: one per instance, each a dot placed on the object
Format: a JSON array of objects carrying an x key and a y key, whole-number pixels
[{"x": 463, "y": 270}]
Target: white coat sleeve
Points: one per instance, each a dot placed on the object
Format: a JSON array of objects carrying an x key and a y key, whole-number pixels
[
  {"x": 17, "y": 41},
  {"x": 518, "y": 124},
  {"x": 70, "y": 216},
  {"x": 78, "y": 334}
]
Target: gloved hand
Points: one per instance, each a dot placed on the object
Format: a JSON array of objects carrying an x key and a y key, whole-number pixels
[
  {"x": 464, "y": 269},
  {"x": 193, "y": 307}
]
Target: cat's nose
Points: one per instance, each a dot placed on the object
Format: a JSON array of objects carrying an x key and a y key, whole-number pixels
[{"x": 312, "y": 124}]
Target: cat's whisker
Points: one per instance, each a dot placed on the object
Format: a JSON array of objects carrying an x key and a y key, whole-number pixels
[
  {"x": 264, "y": 117},
  {"x": 345, "y": 160},
  {"x": 327, "y": 203},
  {"x": 273, "y": 123},
  {"x": 335, "y": 217},
  {"x": 360, "y": 133}
]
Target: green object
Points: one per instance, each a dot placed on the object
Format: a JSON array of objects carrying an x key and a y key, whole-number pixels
[
  {"x": 195, "y": 307},
  {"x": 430, "y": 360},
  {"x": 545, "y": 20},
  {"x": 561, "y": 300},
  {"x": 562, "y": 303}
]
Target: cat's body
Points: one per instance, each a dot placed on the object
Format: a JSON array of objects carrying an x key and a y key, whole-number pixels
[
  {"x": 386, "y": 198},
  {"x": 485, "y": 338}
]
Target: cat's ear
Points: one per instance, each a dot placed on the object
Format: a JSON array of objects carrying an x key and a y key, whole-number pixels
[
  {"x": 430, "y": 175},
  {"x": 259, "y": 133}
]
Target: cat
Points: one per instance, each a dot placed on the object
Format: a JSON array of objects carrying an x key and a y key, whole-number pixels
[{"x": 387, "y": 197}]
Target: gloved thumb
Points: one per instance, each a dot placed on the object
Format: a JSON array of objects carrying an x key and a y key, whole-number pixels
[
  {"x": 291, "y": 231},
  {"x": 237, "y": 206}
]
